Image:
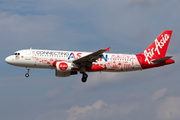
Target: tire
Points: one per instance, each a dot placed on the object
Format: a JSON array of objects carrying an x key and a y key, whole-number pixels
[
  {"x": 84, "y": 80},
  {"x": 85, "y": 76},
  {"x": 26, "y": 75}
]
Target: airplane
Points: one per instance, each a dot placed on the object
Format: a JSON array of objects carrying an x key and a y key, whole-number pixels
[{"x": 68, "y": 63}]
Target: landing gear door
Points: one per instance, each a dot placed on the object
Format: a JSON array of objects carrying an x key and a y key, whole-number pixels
[{"x": 28, "y": 55}]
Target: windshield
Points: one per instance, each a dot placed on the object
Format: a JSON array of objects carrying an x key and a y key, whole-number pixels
[{"x": 16, "y": 53}]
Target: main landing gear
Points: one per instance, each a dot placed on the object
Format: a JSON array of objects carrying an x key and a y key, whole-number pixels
[
  {"x": 27, "y": 74},
  {"x": 84, "y": 77}
]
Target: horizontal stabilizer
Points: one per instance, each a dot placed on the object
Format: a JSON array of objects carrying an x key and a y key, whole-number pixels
[{"x": 161, "y": 59}]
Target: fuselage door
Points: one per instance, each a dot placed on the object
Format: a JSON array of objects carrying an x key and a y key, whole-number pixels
[{"x": 28, "y": 55}]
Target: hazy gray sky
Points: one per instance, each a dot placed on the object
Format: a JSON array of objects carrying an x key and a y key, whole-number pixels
[{"x": 127, "y": 26}]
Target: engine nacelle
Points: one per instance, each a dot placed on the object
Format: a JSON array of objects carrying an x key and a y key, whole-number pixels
[
  {"x": 63, "y": 69},
  {"x": 63, "y": 66}
]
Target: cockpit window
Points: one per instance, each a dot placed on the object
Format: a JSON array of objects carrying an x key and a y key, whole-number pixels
[{"x": 16, "y": 53}]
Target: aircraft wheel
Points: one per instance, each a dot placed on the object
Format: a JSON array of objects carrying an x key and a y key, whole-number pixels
[
  {"x": 84, "y": 80},
  {"x": 84, "y": 77},
  {"x": 27, "y": 75}
]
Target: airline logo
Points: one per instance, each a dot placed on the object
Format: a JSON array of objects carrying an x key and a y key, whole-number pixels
[
  {"x": 156, "y": 48},
  {"x": 161, "y": 43},
  {"x": 63, "y": 66}
]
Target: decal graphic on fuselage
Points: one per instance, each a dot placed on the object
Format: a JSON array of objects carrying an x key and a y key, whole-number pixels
[
  {"x": 74, "y": 56},
  {"x": 78, "y": 55},
  {"x": 110, "y": 62},
  {"x": 52, "y": 53}
]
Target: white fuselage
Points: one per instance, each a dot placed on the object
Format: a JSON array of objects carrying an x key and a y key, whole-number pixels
[{"x": 36, "y": 58}]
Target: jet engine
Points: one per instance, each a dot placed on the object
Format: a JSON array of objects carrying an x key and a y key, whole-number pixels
[{"x": 64, "y": 69}]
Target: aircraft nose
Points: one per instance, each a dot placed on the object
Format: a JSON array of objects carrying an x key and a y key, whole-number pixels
[{"x": 8, "y": 60}]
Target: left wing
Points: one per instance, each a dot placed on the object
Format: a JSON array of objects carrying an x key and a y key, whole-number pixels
[{"x": 88, "y": 59}]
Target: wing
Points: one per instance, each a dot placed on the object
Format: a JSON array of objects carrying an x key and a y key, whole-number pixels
[{"x": 88, "y": 59}]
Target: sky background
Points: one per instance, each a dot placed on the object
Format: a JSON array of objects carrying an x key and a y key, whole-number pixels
[{"x": 127, "y": 26}]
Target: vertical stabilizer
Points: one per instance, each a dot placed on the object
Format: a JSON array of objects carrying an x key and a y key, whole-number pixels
[{"x": 158, "y": 48}]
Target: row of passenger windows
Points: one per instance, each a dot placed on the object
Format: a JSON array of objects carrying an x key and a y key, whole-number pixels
[
  {"x": 119, "y": 59},
  {"x": 49, "y": 55},
  {"x": 16, "y": 53}
]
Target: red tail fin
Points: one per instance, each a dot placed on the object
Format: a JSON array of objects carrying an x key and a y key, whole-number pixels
[{"x": 158, "y": 48}]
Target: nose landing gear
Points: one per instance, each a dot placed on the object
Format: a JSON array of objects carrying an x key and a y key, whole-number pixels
[{"x": 27, "y": 74}]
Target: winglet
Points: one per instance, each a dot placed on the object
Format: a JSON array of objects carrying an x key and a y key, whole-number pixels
[{"x": 107, "y": 49}]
